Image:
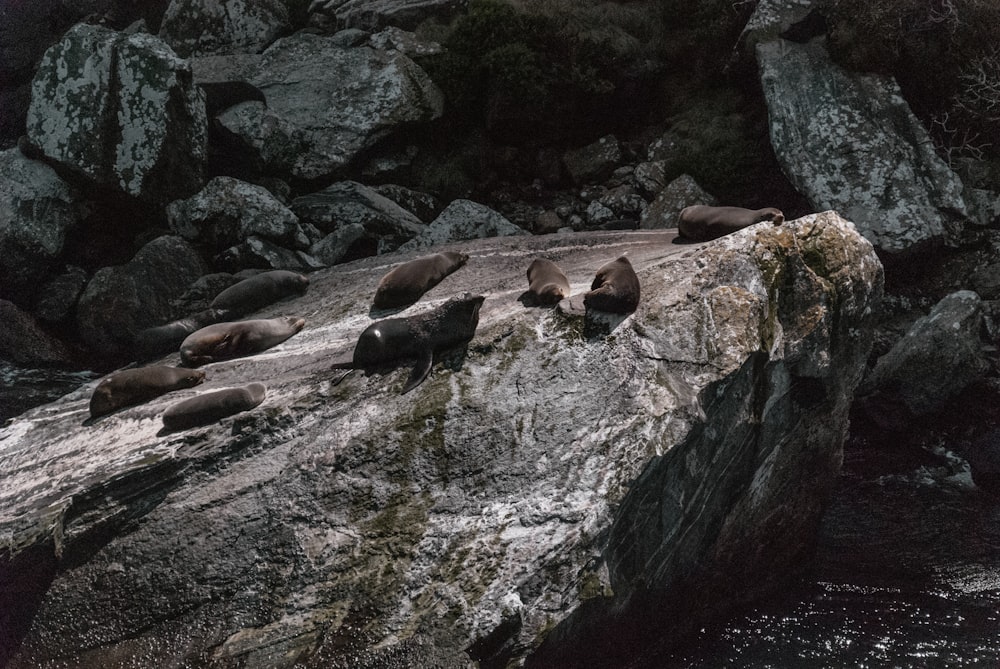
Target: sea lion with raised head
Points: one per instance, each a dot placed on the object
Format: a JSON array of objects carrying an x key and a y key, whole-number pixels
[
  {"x": 129, "y": 387},
  {"x": 163, "y": 339},
  {"x": 702, "y": 223},
  {"x": 224, "y": 341},
  {"x": 258, "y": 291},
  {"x": 213, "y": 407},
  {"x": 547, "y": 284},
  {"x": 405, "y": 284},
  {"x": 417, "y": 337},
  {"x": 615, "y": 288}
]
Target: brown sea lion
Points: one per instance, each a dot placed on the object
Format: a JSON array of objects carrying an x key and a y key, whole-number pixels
[
  {"x": 258, "y": 291},
  {"x": 129, "y": 387},
  {"x": 163, "y": 339},
  {"x": 546, "y": 282},
  {"x": 224, "y": 341},
  {"x": 417, "y": 337},
  {"x": 212, "y": 407},
  {"x": 615, "y": 288},
  {"x": 702, "y": 223},
  {"x": 406, "y": 283}
]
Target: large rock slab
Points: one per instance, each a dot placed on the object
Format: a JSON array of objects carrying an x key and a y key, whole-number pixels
[
  {"x": 538, "y": 494},
  {"x": 848, "y": 141},
  {"x": 122, "y": 300},
  {"x": 37, "y": 210},
  {"x": 325, "y": 103},
  {"x": 462, "y": 220},
  {"x": 122, "y": 110},
  {"x": 373, "y": 15}
]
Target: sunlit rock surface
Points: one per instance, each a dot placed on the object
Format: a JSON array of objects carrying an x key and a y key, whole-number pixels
[{"x": 532, "y": 501}]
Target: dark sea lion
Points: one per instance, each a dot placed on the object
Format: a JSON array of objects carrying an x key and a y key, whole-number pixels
[
  {"x": 129, "y": 387},
  {"x": 224, "y": 341},
  {"x": 258, "y": 291},
  {"x": 212, "y": 407},
  {"x": 162, "y": 339},
  {"x": 615, "y": 289},
  {"x": 546, "y": 282},
  {"x": 702, "y": 223},
  {"x": 417, "y": 337},
  {"x": 406, "y": 283}
]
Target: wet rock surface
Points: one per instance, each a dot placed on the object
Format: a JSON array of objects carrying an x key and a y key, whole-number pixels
[{"x": 526, "y": 500}]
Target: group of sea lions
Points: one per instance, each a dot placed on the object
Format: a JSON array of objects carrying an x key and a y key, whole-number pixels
[
  {"x": 209, "y": 336},
  {"x": 204, "y": 338}
]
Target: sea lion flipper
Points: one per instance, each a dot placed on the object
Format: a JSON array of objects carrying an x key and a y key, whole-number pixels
[{"x": 421, "y": 369}]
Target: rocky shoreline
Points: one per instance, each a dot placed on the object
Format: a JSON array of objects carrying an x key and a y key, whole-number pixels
[{"x": 144, "y": 173}]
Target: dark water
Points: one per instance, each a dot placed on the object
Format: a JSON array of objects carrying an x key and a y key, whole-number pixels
[
  {"x": 22, "y": 388},
  {"x": 907, "y": 574}
]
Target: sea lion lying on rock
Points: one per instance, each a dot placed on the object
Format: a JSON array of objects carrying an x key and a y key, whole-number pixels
[
  {"x": 258, "y": 291},
  {"x": 162, "y": 339},
  {"x": 416, "y": 337},
  {"x": 702, "y": 222},
  {"x": 615, "y": 289},
  {"x": 405, "y": 284},
  {"x": 213, "y": 407},
  {"x": 129, "y": 387},
  {"x": 547, "y": 284},
  {"x": 224, "y": 341}
]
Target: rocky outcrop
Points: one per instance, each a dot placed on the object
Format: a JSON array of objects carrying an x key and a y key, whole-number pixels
[
  {"x": 539, "y": 494},
  {"x": 37, "y": 210},
  {"x": 228, "y": 211},
  {"x": 122, "y": 300},
  {"x": 373, "y": 15},
  {"x": 202, "y": 27},
  {"x": 325, "y": 103},
  {"x": 682, "y": 192},
  {"x": 462, "y": 220},
  {"x": 23, "y": 341},
  {"x": 122, "y": 110},
  {"x": 939, "y": 356},
  {"x": 848, "y": 141}
]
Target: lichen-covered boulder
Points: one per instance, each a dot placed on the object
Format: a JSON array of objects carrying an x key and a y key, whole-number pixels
[
  {"x": 202, "y": 27},
  {"x": 59, "y": 295},
  {"x": 543, "y": 496},
  {"x": 37, "y": 210},
  {"x": 387, "y": 225},
  {"x": 258, "y": 253},
  {"x": 228, "y": 211},
  {"x": 679, "y": 193},
  {"x": 594, "y": 162},
  {"x": 939, "y": 356},
  {"x": 373, "y": 15},
  {"x": 461, "y": 220},
  {"x": 122, "y": 110},
  {"x": 848, "y": 141},
  {"x": 25, "y": 342},
  {"x": 325, "y": 103},
  {"x": 120, "y": 301}
]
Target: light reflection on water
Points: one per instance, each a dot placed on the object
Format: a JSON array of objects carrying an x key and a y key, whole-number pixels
[{"x": 907, "y": 574}]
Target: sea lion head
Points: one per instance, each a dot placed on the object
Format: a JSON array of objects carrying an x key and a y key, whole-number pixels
[
  {"x": 458, "y": 259},
  {"x": 294, "y": 323},
  {"x": 771, "y": 214}
]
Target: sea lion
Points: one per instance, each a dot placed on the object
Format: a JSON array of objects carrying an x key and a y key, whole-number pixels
[
  {"x": 258, "y": 291},
  {"x": 406, "y": 283},
  {"x": 615, "y": 288},
  {"x": 212, "y": 407},
  {"x": 546, "y": 282},
  {"x": 417, "y": 337},
  {"x": 129, "y": 387},
  {"x": 224, "y": 341},
  {"x": 702, "y": 223},
  {"x": 162, "y": 339}
]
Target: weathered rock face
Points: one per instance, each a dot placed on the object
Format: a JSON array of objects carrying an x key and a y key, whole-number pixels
[
  {"x": 37, "y": 209},
  {"x": 120, "y": 301},
  {"x": 24, "y": 342},
  {"x": 121, "y": 109},
  {"x": 939, "y": 357},
  {"x": 535, "y": 488},
  {"x": 201, "y": 27},
  {"x": 849, "y": 142},
  {"x": 682, "y": 192},
  {"x": 325, "y": 103},
  {"x": 374, "y": 15},
  {"x": 461, "y": 220}
]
